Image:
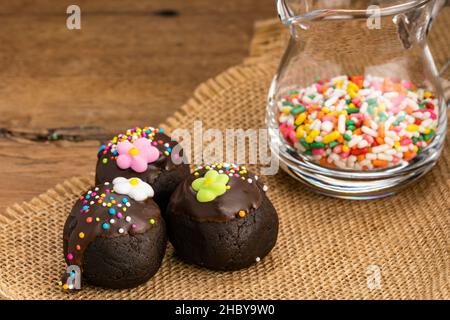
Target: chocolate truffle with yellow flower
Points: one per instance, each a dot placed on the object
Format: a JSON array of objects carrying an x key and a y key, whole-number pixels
[
  {"x": 146, "y": 153},
  {"x": 220, "y": 218},
  {"x": 115, "y": 235}
]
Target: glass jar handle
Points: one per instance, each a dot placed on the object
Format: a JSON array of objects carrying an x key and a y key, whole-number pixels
[{"x": 445, "y": 82}]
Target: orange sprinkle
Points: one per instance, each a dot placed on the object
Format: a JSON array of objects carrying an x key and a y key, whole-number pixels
[
  {"x": 407, "y": 155},
  {"x": 409, "y": 110},
  {"x": 379, "y": 163},
  {"x": 379, "y": 140},
  {"x": 320, "y": 114},
  {"x": 357, "y": 132},
  {"x": 361, "y": 157},
  {"x": 381, "y": 130},
  {"x": 242, "y": 213}
]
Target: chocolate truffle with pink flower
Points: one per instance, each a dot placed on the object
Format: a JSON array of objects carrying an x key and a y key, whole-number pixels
[{"x": 147, "y": 153}]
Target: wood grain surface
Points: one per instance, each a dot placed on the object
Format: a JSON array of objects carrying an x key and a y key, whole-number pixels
[{"x": 132, "y": 63}]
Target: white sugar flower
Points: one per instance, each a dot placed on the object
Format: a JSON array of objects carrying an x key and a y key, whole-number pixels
[{"x": 135, "y": 188}]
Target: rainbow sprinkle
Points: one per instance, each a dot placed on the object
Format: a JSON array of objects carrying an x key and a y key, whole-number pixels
[
  {"x": 132, "y": 135},
  {"x": 360, "y": 123}
]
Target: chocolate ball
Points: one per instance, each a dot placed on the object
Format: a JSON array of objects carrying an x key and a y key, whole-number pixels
[
  {"x": 147, "y": 153},
  {"x": 220, "y": 218},
  {"x": 115, "y": 234}
]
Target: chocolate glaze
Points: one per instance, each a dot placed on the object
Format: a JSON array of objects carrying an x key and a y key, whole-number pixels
[
  {"x": 139, "y": 214},
  {"x": 109, "y": 170},
  {"x": 242, "y": 195}
]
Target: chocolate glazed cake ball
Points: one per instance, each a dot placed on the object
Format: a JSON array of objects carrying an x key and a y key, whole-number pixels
[
  {"x": 145, "y": 153},
  {"x": 221, "y": 219},
  {"x": 115, "y": 234}
]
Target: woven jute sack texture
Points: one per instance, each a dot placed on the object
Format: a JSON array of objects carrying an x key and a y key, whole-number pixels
[{"x": 327, "y": 248}]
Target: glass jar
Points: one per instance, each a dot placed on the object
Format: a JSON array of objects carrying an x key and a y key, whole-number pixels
[{"x": 356, "y": 109}]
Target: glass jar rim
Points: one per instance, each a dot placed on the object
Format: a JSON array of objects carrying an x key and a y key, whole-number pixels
[{"x": 288, "y": 17}]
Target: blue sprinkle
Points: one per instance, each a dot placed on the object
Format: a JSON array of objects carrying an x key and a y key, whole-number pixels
[
  {"x": 88, "y": 196},
  {"x": 112, "y": 211},
  {"x": 85, "y": 207},
  {"x": 169, "y": 149},
  {"x": 101, "y": 148},
  {"x": 161, "y": 130},
  {"x": 124, "y": 200},
  {"x": 105, "y": 226},
  {"x": 111, "y": 198}
]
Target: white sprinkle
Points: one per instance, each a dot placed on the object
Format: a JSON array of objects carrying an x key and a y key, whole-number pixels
[
  {"x": 354, "y": 141},
  {"x": 106, "y": 183},
  {"x": 258, "y": 259},
  {"x": 121, "y": 230},
  {"x": 363, "y": 144},
  {"x": 327, "y": 126},
  {"x": 112, "y": 221},
  {"x": 383, "y": 156},
  {"x": 341, "y": 124},
  {"x": 331, "y": 101},
  {"x": 265, "y": 188},
  {"x": 380, "y": 148},
  {"x": 256, "y": 178},
  {"x": 369, "y": 131},
  {"x": 128, "y": 218},
  {"x": 249, "y": 180},
  {"x": 389, "y": 141}
]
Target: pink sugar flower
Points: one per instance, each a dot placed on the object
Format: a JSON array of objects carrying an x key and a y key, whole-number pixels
[{"x": 136, "y": 155}]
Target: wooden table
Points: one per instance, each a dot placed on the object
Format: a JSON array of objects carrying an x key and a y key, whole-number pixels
[{"x": 132, "y": 63}]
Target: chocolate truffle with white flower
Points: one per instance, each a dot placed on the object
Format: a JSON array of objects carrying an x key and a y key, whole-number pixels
[
  {"x": 115, "y": 235},
  {"x": 146, "y": 153},
  {"x": 220, "y": 218}
]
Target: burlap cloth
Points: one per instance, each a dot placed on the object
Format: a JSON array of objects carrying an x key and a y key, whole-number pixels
[{"x": 326, "y": 246}]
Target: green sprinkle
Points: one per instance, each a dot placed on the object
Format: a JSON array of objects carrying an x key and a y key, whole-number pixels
[
  {"x": 347, "y": 137},
  {"x": 308, "y": 152},
  {"x": 398, "y": 120},
  {"x": 317, "y": 145},
  {"x": 383, "y": 116},
  {"x": 422, "y": 105},
  {"x": 287, "y": 104},
  {"x": 348, "y": 101},
  {"x": 429, "y": 136},
  {"x": 298, "y": 109},
  {"x": 333, "y": 144},
  {"x": 350, "y": 123},
  {"x": 295, "y": 92},
  {"x": 352, "y": 128},
  {"x": 105, "y": 160},
  {"x": 372, "y": 102},
  {"x": 312, "y": 96},
  {"x": 352, "y": 110},
  {"x": 305, "y": 144}
]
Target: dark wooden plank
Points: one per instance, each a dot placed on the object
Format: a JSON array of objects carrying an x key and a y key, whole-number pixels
[{"x": 127, "y": 66}]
